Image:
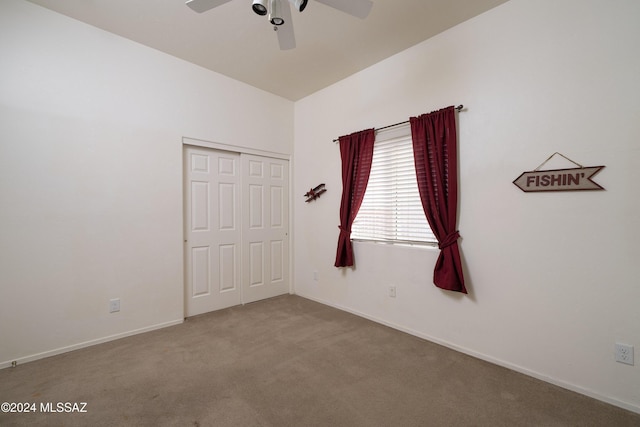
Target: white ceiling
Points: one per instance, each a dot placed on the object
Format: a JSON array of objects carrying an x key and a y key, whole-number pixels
[{"x": 234, "y": 41}]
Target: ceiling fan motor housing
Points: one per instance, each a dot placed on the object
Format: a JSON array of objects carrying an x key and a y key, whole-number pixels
[{"x": 279, "y": 13}]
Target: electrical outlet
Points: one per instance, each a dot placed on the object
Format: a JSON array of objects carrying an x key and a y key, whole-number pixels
[
  {"x": 114, "y": 305},
  {"x": 392, "y": 291},
  {"x": 624, "y": 353},
  {"x": 315, "y": 276}
]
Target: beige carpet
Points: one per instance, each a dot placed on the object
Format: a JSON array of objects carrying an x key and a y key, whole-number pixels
[{"x": 288, "y": 361}]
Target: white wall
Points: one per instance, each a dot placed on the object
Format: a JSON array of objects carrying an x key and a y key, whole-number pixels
[
  {"x": 553, "y": 278},
  {"x": 91, "y": 129}
]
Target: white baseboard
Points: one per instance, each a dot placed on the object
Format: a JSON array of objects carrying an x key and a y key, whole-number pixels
[
  {"x": 573, "y": 387},
  {"x": 89, "y": 343}
]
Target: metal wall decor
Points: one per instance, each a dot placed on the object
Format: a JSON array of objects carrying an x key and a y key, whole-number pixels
[
  {"x": 572, "y": 179},
  {"x": 314, "y": 193}
]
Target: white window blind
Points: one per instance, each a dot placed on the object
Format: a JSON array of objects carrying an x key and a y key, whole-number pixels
[{"x": 391, "y": 210}]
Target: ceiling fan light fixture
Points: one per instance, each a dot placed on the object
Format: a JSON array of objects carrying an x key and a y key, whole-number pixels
[
  {"x": 275, "y": 13},
  {"x": 299, "y": 5},
  {"x": 260, "y": 7}
]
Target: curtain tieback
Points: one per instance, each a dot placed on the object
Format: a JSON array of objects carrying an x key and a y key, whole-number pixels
[
  {"x": 346, "y": 230},
  {"x": 449, "y": 240}
]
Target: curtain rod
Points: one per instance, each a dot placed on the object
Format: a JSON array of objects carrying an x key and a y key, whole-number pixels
[{"x": 458, "y": 108}]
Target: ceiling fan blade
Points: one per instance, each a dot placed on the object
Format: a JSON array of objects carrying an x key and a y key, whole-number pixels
[
  {"x": 286, "y": 37},
  {"x": 358, "y": 8},
  {"x": 204, "y": 5}
]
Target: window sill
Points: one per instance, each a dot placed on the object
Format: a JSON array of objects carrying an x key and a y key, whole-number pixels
[{"x": 425, "y": 245}]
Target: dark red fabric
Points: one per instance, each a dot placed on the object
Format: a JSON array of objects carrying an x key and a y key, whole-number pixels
[
  {"x": 356, "y": 151},
  {"x": 436, "y": 160}
]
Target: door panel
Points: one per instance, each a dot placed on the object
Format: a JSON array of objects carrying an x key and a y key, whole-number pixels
[
  {"x": 228, "y": 267},
  {"x": 256, "y": 264},
  {"x": 236, "y": 229},
  {"x": 266, "y": 224},
  {"x": 277, "y": 217},
  {"x": 200, "y": 206},
  {"x": 256, "y": 207},
  {"x": 277, "y": 262},
  {"x": 201, "y": 268},
  {"x": 212, "y": 234},
  {"x": 227, "y": 206}
]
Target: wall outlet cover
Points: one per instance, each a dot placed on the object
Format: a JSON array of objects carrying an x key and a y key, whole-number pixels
[{"x": 624, "y": 353}]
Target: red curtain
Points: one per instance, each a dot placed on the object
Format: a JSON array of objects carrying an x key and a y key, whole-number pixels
[
  {"x": 436, "y": 160},
  {"x": 356, "y": 151}
]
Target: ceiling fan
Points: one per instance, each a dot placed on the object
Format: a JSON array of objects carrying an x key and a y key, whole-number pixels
[{"x": 279, "y": 13}]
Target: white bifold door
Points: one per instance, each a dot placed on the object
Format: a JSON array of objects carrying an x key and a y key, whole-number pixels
[{"x": 236, "y": 229}]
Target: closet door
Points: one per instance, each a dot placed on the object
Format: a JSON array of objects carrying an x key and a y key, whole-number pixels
[
  {"x": 265, "y": 218},
  {"x": 212, "y": 230}
]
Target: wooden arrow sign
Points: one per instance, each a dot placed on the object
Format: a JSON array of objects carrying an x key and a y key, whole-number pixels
[{"x": 573, "y": 179}]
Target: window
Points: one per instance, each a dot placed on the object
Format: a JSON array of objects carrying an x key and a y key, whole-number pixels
[{"x": 391, "y": 210}]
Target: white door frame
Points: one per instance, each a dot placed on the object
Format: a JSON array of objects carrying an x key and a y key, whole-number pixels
[{"x": 240, "y": 150}]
